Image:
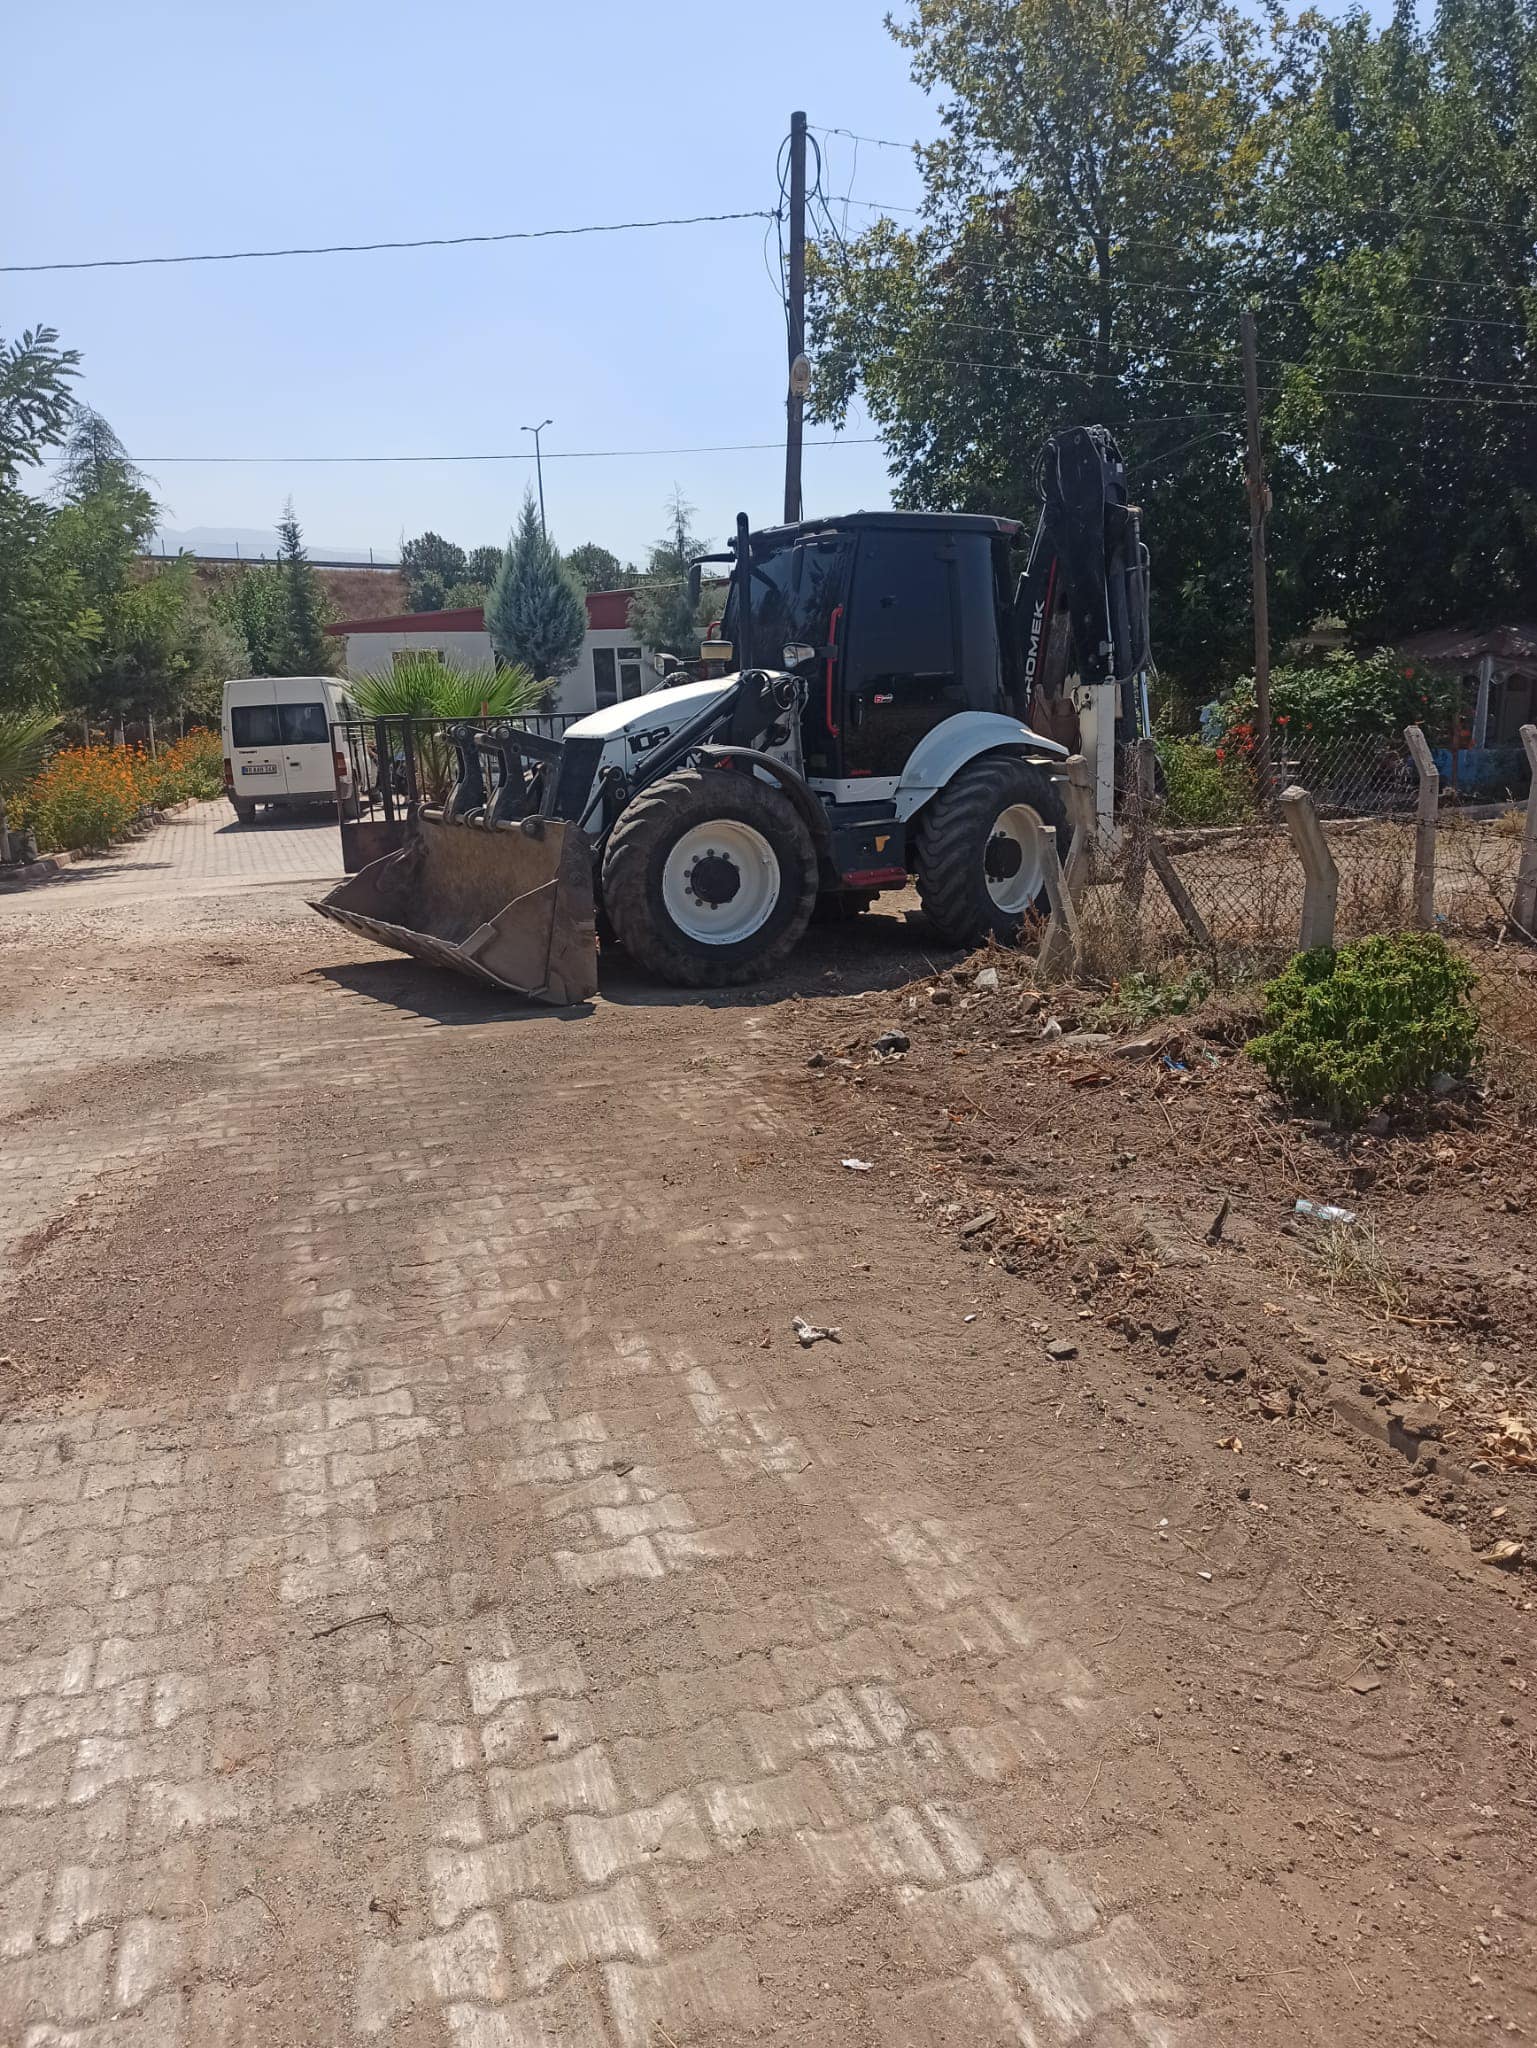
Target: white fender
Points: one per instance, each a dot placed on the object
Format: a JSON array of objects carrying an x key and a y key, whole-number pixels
[{"x": 941, "y": 754}]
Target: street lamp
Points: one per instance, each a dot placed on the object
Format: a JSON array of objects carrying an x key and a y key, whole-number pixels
[{"x": 539, "y": 465}]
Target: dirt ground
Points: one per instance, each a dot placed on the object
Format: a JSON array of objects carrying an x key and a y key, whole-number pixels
[{"x": 446, "y": 1602}]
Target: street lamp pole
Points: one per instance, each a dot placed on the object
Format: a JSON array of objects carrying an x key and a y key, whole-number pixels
[{"x": 539, "y": 464}]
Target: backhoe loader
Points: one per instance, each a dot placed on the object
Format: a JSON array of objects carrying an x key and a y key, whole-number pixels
[{"x": 896, "y": 710}]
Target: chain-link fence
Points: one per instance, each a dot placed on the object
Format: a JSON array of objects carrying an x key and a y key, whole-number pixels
[{"x": 1207, "y": 864}]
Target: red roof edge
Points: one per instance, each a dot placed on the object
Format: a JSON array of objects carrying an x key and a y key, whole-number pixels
[
  {"x": 608, "y": 611},
  {"x": 471, "y": 620}
]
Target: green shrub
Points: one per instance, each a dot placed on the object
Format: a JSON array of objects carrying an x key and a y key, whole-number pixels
[
  {"x": 1140, "y": 997},
  {"x": 1350, "y": 1031},
  {"x": 1203, "y": 786},
  {"x": 1345, "y": 696}
]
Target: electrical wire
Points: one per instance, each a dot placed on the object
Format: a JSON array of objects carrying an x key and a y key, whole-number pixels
[
  {"x": 1121, "y": 241},
  {"x": 1375, "y": 367},
  {"x": 517, "y": 455},
  {"x": 1466, "y": 220},
  {"x": 615, "y": 227}
]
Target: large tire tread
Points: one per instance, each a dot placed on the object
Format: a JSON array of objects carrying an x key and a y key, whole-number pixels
[
  {"x": 952, "y": 835},
  {"x": 637, "y": 848}
]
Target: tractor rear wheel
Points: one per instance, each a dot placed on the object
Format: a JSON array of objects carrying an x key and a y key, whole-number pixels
[
  {"x": 980, "y": 873},
  {"x": 709, "y": 878}
]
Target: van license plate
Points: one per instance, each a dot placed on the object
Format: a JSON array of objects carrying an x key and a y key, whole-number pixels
[{"x": 258, "y": 767}]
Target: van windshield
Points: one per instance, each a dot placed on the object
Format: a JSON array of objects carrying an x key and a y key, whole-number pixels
[
  {"x": 304, "y": 725},
  {"x": 253, "y": 725}
]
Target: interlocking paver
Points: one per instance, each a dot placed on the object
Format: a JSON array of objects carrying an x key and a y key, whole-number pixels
[{"x": 476, "y": 1664}]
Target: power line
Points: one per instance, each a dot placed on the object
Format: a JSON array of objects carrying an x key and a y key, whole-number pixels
[
  {"x": 516, "y": 455},
  {"x": 1408, "y": 220},
  {"x": 1160, "y": 377},
  {"x": 875, "y": 141},
  {"x": 1374, "y": 366},
  {"x": 615, "y": 227},
  {"x": 1121, "y": 241}
]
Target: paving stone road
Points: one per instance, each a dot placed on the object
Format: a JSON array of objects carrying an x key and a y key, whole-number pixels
[{"x": 446, "y": 1606}]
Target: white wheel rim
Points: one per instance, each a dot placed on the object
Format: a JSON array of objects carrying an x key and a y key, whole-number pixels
[
  {"x": 1012, "y": 859},
  {"x": 721, "y": 882}
]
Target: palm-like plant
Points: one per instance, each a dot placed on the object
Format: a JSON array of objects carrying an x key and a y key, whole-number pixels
[
  {"x": 422, "y": 686},
  {"x": 23, "y": 736}
]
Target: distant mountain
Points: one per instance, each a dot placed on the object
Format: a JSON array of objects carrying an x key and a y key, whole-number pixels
[{"x": 251, "y": 543}]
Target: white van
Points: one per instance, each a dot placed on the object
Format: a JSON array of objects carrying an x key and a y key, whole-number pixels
[{"x": 277, "y": 743}]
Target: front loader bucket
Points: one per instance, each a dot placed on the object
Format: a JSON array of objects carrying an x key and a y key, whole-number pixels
[{"x": 509, "y": 904}]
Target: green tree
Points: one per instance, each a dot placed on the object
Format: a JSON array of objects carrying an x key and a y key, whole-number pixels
[
  {"x": 536, "y": 614},
  {"x": 146, "y": 654},
  {"x": 431, "y": 565},
  {"x": 48, "y": 626},
  {"x": 47, "y": 623},
  {"x": 1403, "y": 328},
  {"x": 249, "y": 606},
  {"x": 35, "y": 397},
  {"x": 482, "y": 566},
  {"x": 302, "y": 647},
  {"x": 661, "y": 617},
  {"x": 601, "y": 569},
  {"x": 1083, "y": 248}
]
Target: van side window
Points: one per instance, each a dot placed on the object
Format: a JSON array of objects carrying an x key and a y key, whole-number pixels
[
  {"x": 253, "y": 725},
  {"x": 304, "y": 725}
]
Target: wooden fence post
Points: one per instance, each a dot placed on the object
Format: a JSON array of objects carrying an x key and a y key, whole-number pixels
[
  {"x": 1320, "y": 896},
  {"x": 1425, "y": 829},
  {"x": 1524, "y": 909}
]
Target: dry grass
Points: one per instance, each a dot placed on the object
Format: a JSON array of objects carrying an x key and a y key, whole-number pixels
[{"x": 1353, "y": 1262}]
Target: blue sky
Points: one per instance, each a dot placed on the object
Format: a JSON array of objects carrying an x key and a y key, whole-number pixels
[{"x": 169, "y": 127}]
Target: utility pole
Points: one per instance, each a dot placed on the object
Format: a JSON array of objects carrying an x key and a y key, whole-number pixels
[
  {"x": 1259, "y": 512},
  {"x": 539, "y": 465},
  {"x": 795, "y": 395}
]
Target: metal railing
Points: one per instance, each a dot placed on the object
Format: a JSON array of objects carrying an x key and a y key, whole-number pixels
[{"x": 393, "y": 764}]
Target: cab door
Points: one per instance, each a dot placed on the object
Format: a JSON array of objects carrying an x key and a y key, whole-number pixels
[{"x": 903, "y": 671}]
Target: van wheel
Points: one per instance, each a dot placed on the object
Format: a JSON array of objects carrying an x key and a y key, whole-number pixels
[
  {"x": 709, "y": 878},
  {"x": 245, "y": 813},
  {"x": 979, "y": 864}
]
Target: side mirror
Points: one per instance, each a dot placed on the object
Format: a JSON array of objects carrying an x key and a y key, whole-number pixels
[
  {"x": 797, "y": 652},
  {"x": 693, "y": 583}
]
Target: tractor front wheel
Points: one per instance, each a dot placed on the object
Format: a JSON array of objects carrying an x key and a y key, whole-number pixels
[
  {"x": 980, "y": 868},
  {"x": 709, "y": 878}
]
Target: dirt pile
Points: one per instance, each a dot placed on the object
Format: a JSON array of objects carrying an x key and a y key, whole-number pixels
[{"x": 1127, "y": 1157}]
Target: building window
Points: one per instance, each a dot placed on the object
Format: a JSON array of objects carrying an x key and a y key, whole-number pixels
[{"x": 605, "y": 683}]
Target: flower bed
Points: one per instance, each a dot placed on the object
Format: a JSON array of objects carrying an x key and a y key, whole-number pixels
[{"x": 85, "y": 797}]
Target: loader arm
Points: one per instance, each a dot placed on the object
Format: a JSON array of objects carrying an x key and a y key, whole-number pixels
[{"x": 1081, "y": 606}]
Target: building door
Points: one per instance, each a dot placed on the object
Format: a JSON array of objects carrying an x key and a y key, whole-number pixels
[{"x": 616, "y": 674}]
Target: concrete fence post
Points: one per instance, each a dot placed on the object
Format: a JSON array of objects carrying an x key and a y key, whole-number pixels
[
  {"x": 1524, "y": 909},
  {"x": 1059, "y": 942},
  {"x": 1321, "y": 888},
  {"x": 1424, "y": 828},
  {"x": 1082, "y": 821}
]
